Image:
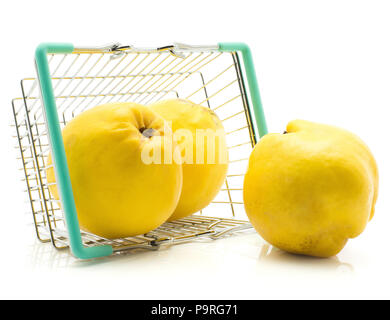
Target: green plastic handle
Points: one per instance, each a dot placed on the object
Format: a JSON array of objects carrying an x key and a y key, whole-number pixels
[
  {"x": 252, "y": 82},
  {"x": 58, "y": 153}
]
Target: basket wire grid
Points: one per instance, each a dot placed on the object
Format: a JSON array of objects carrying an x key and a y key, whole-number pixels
[{"x": 85, "y": 78}]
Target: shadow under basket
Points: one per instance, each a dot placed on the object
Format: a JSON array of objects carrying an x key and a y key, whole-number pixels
[{"x": 73, "y": 79}]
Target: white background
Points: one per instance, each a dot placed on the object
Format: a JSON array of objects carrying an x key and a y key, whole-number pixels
[{"x": 325, "y": 61}]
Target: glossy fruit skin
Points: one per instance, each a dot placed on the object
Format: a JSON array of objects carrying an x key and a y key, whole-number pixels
[
  {"x": 116, "y": 193},
  {"x": 310, "y": 190},
  {"x": 201, "y": 182}
]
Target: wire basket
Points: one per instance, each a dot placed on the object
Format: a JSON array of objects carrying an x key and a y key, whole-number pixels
[{"x": 73, "y": 79}]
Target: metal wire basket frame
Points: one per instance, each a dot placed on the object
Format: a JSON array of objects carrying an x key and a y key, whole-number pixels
[{"x": 73, "y": 79}]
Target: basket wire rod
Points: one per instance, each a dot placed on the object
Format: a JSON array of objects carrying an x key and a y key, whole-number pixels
[
  {"x": 235, "y": 175},
  {"x": 205, "y": 92},
  {"x": 193, "y": 71},
  {"x": 17, "y": 109},
  {"x": 236, "y": 130},
  {"x": 47, "y": 200},
  {"x": 28, "y": 95},
  {"x": 139, "y": 75},
  {"x": 118, "y": 93},
  {"x": 54, "y": 72},
  {"x": 196, "y": 219},
  {"x": 34, "y": 101},
  {"x": 226, "y": 102},
  {"x": 88, "y": 238},
  {"x": 220, "y": 90},
  {"x": 177, "y": 72},
  {"x": 20, "y": 137},
  {"x": 163, "y": 78},
  {"x": 35, "y": 82},
  {"x": 180, "y": 223},
  {"x": 59, "y": 64},
  {"x": 143, "y": 76},
  {"x": 152, "y": 76},
  {"x": 25, "y": 172},
  {"x": 109, "y": 77},
  {"x": 183, "y": 228},
  {"x": 66, "y": 71},
  {"x": 64, "y": 77},
  {"x": 27, "y": 145},
  {"x": 186, "y": 238},
  {"x": 208, "y": 103},
  {"x": 35, "y": 86},
  {"x": 92, "y": 238},
  {"x": 82, "y": 79},
  {"x": 149, "y": 246},
  {"x": 244, "y": 96},
  {"x": 160, "y": 74},
  {"x": 182, "y": 46},
  {"x": 204, "y": 230},
  {"x": 136, "y": 240},
  {"x": 58, "y": 83},
  {"x": 102, "y": 96},
  {"x": 36, "y": 188},
  {"x": 100, "y": 80},
  {"x": 233, "y": 115},
  {"x": 196, "y": 70},
  {"x": 240, "y": 144},
  {"x": 86, "y": 77},
  {"x": 43, "y": 152},
  {"x": 129, "y": 74},
  {"x": 140, "y": 93},
  {"x": 173, "y": 233},
  {"x": 212, "y": 225},
  {"x": 230, "y": 198},
  {"x": 165, "y": 231},
  {"x": 169, "y": 74},
  {"x": 230, "y": 230},
  {"x": 107, "y": 48},
  {"x": 42, "y": 169},
  {"x": 70, "y": 81},
  {"x": 210, "y": 81},
  {"x": 34, "y": 174},
  {"x": 38, "y": 173},
  {"x": 227, "y": 202},
  {"x": 205, "y": 221},
  {"x": 143, "y": 238}
]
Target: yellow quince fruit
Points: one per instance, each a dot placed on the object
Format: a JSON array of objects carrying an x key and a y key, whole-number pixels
[
  {"x": 201, "y": 140},
  {"x": 117, "y": 191},
  {"x": 311, "y": 189}
]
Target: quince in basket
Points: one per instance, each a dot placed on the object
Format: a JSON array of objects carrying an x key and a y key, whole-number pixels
[
  {"x": 116, "y": 193},
  {"x": 201, "y": 139},
  {"x": 311, "y": 189}
]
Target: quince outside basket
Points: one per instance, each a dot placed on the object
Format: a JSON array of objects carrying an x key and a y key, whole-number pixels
[{"x": 72, "y": 79}]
